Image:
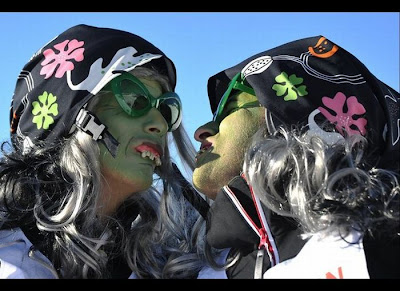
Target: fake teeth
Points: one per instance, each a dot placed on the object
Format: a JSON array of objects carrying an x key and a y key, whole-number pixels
[{"x": 152, "y": 157}]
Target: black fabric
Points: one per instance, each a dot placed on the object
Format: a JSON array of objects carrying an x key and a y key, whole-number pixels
[
  {"x": 119, "y": 268},
  {"x": 226, "y": 228},
  {"x": 297, "y": 78},
  {"x": 117, "y": 264},
  {"x": 110, "y": 142},
  {"x": 68, "y": 71},
  {"x": 383, "y": 257}
]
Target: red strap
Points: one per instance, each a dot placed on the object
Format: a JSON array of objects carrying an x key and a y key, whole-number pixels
[{"x": 264, "y": 240}]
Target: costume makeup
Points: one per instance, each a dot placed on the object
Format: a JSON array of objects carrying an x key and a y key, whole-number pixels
[
  {"x": 313, "y": 80},
  {"x": 319, "y": 87},
  {"x": 61, "y": 78}
]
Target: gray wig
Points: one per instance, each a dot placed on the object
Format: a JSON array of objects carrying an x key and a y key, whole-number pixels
[
  {"x": 324, "y": 187},
  {"x": 58, "y": 190}
]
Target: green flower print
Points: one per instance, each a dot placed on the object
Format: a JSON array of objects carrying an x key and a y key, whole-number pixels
[
  {"x": 287, "y": 86},
  {"x": 43, "y": 110}
]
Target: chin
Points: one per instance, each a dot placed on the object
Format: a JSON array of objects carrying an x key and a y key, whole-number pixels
[
  {"x": 202, "y": 184},
  {"x": 143, "y": 185},
  {"x": 137, "y": 183}
]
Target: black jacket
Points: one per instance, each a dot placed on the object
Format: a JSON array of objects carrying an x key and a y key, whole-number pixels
[{"x": 229, "y": 225}]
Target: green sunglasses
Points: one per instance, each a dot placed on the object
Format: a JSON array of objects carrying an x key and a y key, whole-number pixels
[
  {"x": 134, "y": 98},
  {"x": 236, "y": 83}
]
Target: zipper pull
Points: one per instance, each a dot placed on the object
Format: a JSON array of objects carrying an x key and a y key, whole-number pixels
[{"x": 258, "y": 270}]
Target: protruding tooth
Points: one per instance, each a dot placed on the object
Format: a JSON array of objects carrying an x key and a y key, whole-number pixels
[
  {"x": 151, "y": 156},
  {"x": 158, "y": 161}
]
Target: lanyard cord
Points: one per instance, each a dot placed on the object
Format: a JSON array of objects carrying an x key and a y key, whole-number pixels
[{"x": 266, "y": 240}]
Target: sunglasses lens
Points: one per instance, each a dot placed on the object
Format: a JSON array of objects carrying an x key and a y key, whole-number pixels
[
  {"x": 133, "y": 96},
  {"x": 170, "y": 108},
  {"x": 218, "y": 113},
  {"x": 136, "y": 101}
]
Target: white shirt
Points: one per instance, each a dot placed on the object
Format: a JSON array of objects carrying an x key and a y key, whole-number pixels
[
  {"x": 18, "y": 261},
  {"x": 325, "y": 257}
]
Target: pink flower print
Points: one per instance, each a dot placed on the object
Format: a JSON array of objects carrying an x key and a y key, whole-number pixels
[
  {"x": 342, "y": 119},
  {"x": 52, "y": 59}
]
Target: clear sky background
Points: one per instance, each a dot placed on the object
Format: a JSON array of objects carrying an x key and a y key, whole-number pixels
[{"x": 203, "y": 43}]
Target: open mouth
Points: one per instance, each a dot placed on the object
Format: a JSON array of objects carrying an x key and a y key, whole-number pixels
[
  {"x": 205, "y": 147},
  {"x": 150, "y": 151}
]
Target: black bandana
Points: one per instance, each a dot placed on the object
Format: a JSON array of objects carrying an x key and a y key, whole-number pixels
[
  {"x": 68, "y": 71},
  {"x": 314, "y": 76}
]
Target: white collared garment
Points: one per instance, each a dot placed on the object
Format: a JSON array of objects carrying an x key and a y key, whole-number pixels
[
  {"x": 19, "y": 261},
  {"x": 325, "y": 257}
]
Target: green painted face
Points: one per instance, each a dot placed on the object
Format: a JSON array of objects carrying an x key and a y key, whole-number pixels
[
  {"x": 226, "y": 143},
  {"x": 132, "y": 169}
]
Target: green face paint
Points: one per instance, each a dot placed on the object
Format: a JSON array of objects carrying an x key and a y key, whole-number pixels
[
  {"x": 224, "y": 159},
  {"x": 133, "y": 166}
]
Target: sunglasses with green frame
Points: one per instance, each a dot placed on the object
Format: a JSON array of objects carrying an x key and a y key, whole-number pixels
[
  {"x": 237, "y": 83},
  {"x": 136, "y": 100}
]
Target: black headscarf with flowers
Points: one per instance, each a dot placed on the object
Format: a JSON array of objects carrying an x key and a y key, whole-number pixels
[
  {"x": 68, "y": 71},
  {"x": 314, "y": 77}
]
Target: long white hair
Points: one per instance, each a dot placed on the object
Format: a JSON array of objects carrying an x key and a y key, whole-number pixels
[
  {"x": 324, "y": 187},
  {"x": 57, "y": 188}
]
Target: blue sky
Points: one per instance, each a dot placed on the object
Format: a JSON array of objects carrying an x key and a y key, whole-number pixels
[{"x": 204, "y": 43}]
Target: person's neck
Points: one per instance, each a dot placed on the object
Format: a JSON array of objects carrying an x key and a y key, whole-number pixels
[{"x": 114, "y": 193}]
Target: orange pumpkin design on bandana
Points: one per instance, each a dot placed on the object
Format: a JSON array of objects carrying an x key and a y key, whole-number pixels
[{"x": 323, "y": 49}]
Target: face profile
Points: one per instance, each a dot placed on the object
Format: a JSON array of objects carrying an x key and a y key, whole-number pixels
[
  {"x": 224, "y": 142},
  {"x": 295, "y": 180},
  {"x": 98, "y": 192},
  {"x": 142, "y": 141}
]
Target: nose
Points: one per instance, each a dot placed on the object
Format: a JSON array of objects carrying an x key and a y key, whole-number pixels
[
  {"x": 205, "y": 131},
  {"x": 156, "y": 123}
]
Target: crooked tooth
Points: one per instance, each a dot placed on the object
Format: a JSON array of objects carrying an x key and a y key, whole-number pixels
[
  {"x": 145, "y": 154},
  {"x": 151, "y": 156},
  {"x": 158, "y": 161}
]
